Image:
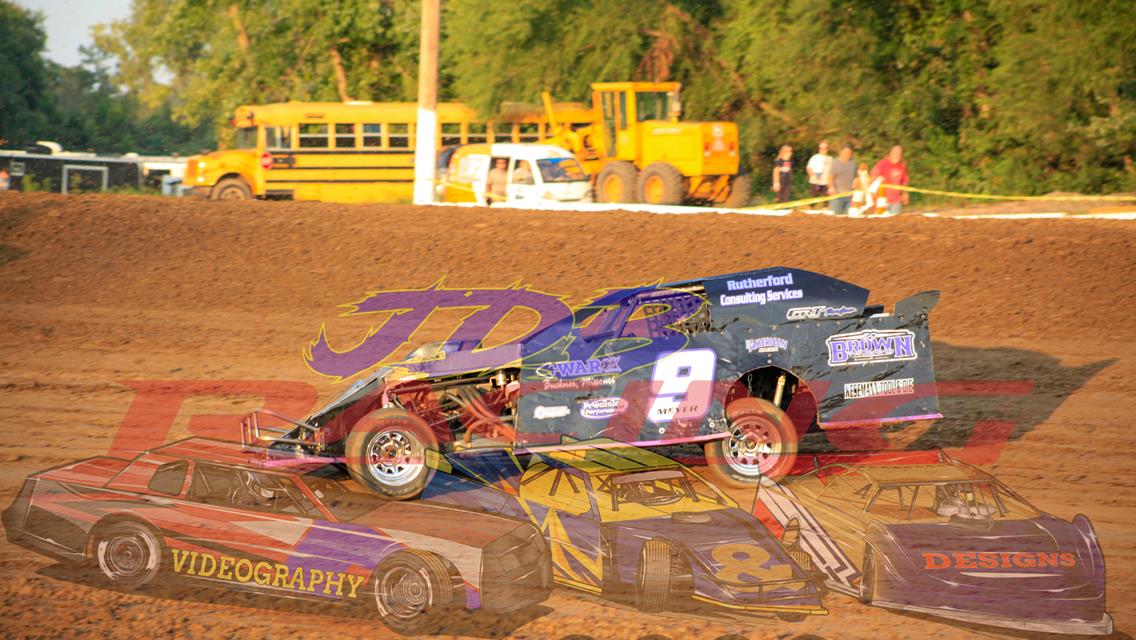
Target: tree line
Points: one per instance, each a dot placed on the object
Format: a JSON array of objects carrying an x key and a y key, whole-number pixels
[{"x": 998, "y": 96}]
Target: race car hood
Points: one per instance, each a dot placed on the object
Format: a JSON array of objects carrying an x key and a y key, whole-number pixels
[
  {"x": 715, "y": 539},
  {"x": 438, "y": 521},
  {"x": 1040, "y": 554}
]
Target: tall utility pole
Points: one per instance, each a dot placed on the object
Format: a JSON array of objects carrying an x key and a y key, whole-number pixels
[{"x": 426, "y": 136}]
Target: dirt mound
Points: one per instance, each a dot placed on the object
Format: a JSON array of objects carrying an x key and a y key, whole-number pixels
[{"x": 97, "y": 292}]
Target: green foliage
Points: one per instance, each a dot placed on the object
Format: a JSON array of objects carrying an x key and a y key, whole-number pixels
[
  {"x": 221, "y": 54},
  {"x": 26, "y": 103},
  {"x": 1001, "y": 96},
  {"x": 79, "y": 107}
]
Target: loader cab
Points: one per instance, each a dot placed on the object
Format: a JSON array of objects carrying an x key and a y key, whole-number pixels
[{"x": 624, "y": 105}]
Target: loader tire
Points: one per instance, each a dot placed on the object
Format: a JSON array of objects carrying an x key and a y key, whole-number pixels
[{"x": 617, "y": 183}]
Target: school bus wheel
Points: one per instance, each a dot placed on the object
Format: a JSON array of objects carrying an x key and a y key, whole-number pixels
[
  {"x": 617, "y": 182},
  {"x": 661, "y": 183},
  {"x": 231, "y": 189}
]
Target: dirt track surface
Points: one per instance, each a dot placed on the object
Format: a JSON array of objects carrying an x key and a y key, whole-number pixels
[{"x": 98, "y": 290}]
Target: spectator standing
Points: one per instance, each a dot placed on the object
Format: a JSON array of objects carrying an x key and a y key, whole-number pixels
[
  {"x": 840, "y": 178},
  {"x": 862, "y": 200},
  {"x": 495, "y": 185},
  {"x": 5, "y": 179},
  {"x": 818, "y": 168},
  {"x": 783, "y": 174},
  {"x": 893, "y": 170}
]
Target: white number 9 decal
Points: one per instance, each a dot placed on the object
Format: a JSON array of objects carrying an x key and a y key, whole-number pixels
[{"x": 682, "y": 383}]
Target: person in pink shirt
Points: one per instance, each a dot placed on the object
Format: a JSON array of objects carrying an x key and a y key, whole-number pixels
[{"x": 894, "y": 171}]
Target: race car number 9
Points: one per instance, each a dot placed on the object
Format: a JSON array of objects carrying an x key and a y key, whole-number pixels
[{"x": 684, "y": 382}]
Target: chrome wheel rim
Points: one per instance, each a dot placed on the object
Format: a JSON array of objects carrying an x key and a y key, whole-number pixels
[
  {"x": 126, "y": 556},
  {"x": 395, "y": 457},
  {"x": 403, "y": 593},
  {"x": 752, "y": 449}
]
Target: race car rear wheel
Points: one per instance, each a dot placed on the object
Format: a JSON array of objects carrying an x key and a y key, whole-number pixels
[
  {"x": 413, "y": 591},
  {"x": 761, "y": 443},
  {"x": 386, "y": 453},
  {"x": 129, "y": 554},
  {"x": 655, "y": 576}
]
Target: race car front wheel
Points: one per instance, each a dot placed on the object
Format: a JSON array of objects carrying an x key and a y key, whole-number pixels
[
  {"x": 655, "y": 577},
  {"x": 386, "y": 453},
  {"x": 761, "y": 442},
  {"x": 413, "y": 591},
  {"x": 868, "y": 577},
  {"x": 129, "y": 554}
]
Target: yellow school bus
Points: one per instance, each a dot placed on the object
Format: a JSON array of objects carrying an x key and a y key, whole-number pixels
[{"x": 347, "y": 152}]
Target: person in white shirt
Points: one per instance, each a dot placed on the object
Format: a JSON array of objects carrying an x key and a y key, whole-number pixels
[{"x": 818, "y": 167}]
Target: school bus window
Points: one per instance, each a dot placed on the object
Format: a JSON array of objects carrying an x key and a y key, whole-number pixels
[
  {"x": 278, "y": 137},
  {"x": 476, "y": 132},
  {"x": 399, "y": 135},
  {"x": 529, "y": 132},
  {"x": 313, "y": 136},
  {"x": 245, "y": 138},
  {"x": 503, "y": 132},
  {"x": 451, "y": 133},
  {"x": 344, "y": 136},
  {"x": 372, "y": 136}
]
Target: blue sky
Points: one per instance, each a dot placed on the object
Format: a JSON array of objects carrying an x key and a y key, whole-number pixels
[{"x": 68, "y": 23}]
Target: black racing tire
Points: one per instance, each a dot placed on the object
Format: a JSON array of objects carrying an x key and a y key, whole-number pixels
[
  {"x": 231, "y": 189},
  {"x": 661, "y": 183},
  {"x": 761, "y": 443},
  {"x": 741, "y": 190},
  {"x": 414, "y": 592},
  {"x": 655, "y": 577},
  {"x": 129, "y": 554},
  {"x": 386, "y": 453},
  {"x": 618, "y": 182},
  {"x": 868, "y": 577}
]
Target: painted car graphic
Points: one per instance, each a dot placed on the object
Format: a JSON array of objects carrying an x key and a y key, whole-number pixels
[
  {"x": 924, "y": 533},
  {"x": 624, "y": 521},
  {"x": 744, "y": 363},
  {"x": 204, "y": 510}
]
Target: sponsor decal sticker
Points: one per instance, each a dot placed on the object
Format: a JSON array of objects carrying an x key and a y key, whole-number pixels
[
  {"x": 766, "y": 345},
  {"x": 577, "y": 368},
  {"x": 545, "y": 413},
  {"x": 818, "y": 312},
  {"x": 266, "y": 574},
  {"x": 602, "y": 408},
  {"x": 933, "y": 561},
  {"x": 760, "y": 290},
  {"x": 878, "y": 388},
  {"x": 579, "y": 384},
  {"x": 871, "y": 346}
]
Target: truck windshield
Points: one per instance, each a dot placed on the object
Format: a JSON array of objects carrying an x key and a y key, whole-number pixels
[
  {"x": 245, "y": 138},
  {"x": 652, "y": 105},
  {"x": 561, "y": 170}
]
